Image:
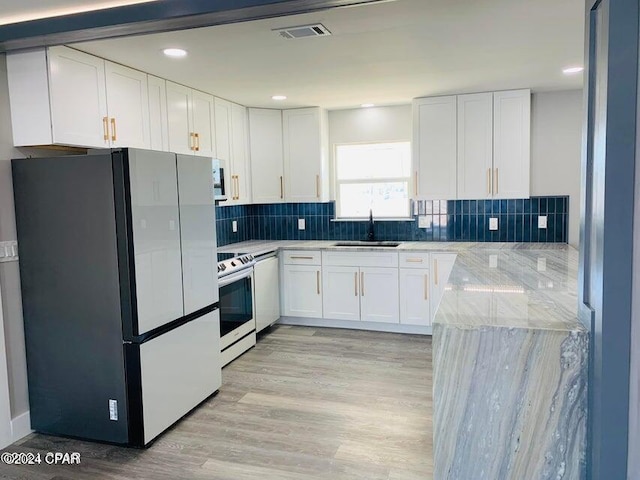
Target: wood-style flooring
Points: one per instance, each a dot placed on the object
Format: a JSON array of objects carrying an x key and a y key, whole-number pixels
[{"x": 305, "y": 403}]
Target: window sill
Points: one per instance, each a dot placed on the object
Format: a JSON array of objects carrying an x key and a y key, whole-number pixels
[{"x": 398, "y": 219}]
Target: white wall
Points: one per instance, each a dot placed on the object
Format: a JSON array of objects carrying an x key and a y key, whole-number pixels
[{"x": 556, "y": 142}]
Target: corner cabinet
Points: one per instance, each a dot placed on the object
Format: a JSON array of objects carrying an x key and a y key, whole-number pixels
[
  {"x": 306, "y": 160},
  {"x": 190, "y": 119},
  {"x": 61, "y": 96},
  {"x": 302, "y": 284},
  {"x": 265, "y": 147},
  {"x": 434, "y": 147}
]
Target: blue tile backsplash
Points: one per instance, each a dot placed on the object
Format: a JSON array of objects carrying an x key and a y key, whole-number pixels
[{"x": 448, "y": 220}]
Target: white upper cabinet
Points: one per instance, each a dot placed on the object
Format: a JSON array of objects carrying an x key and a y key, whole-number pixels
[
  {"x": 158, "y": 126},
  {"x": 305, "y": 156},
  {"x": 60, "y": 96},
  {"x": 127, "y": 106},
  {"x": 240, "y": 167},
  {"x": 434, "y": 147},
  {"x": 475, "y": 145},
  {"x": 202, "y": 109},
  {"x": 511, "y": 143},
  {"x": 190, "y": 117},
  {"x": 265, "y": 135},
  {"x": 231, "y": 145}
]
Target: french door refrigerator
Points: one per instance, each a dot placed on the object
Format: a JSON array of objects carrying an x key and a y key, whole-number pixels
[{"x": 119, "y": 290}]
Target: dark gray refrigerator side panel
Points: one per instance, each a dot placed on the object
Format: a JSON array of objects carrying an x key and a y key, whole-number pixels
[{"x": 71, "y": 296}]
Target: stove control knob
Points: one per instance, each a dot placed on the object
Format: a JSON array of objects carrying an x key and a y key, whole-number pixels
[{"x": 233, "y": 264}]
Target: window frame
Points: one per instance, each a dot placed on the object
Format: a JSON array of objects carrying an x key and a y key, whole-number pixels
[{"x": 336, "y": 182}]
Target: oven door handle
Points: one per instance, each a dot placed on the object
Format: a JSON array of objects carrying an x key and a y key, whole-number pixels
[{"x": 224, "y": 281}]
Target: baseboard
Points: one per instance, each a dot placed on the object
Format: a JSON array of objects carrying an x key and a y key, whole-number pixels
[
  {"x": 21, "y": 426},
  {"x": 372, "y": 326}
]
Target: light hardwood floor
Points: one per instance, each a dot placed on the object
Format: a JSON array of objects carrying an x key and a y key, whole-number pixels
[{"x": 305, "y": 403}]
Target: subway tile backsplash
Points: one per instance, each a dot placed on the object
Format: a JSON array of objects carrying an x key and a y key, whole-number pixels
[{"x": 446, "y": 220}]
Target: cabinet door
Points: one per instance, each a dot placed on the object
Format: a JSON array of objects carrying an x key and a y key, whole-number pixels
[
  {"x": 128, "y": 106},
  {"x": 302, "y": 296},
  {"x": 511, "y": 143},
  {"x": 156, "y": 238},
  {"x": 158, "y": 127},
  {"x": 415, "y": 286},
  {"x": 475, "y": 145},
  {"x": 302, "y": 154},
  {"x": 240, "y": 154},
  {"x": 267, "y": 292},
  {"x": 441, "y": 266},
  {"x": 223, "y": 146},
  {"x": 179, "y": 120},
  {"x": 202, "y": 114},
  {"x": 78, "y": 98},
  {"x": 197, "y": 232},
  {"x": 379, "y": 295},
  {"x": 265, "y": 143},
  {"x": 435, "y": 147},
  {"x": 341, "y": 293}
]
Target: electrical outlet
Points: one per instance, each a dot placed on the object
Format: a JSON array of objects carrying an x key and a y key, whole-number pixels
[
  {"x": 493, "y": 261},
  {"x": 423, "y": 221},
  {"x": 542, "y": 221},
  {"x": 234, "y": 226},
  {"x": 493, "y": 223},
  {"x": 9, "y": 251},
  {"x": 301, "y": 224}
]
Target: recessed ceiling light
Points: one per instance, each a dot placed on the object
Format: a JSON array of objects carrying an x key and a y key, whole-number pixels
[
  {"x": 175, "y": 52},
  {"x": 279, "y": 97},
  {"x": 572, "y": 70},
  {"x": 367, "y": 105}
]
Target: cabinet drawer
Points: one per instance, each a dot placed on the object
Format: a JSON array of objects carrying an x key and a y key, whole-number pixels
[
  {"x": 301, "y": 257},
  {"x": 360, "y": 259},
  {"x": 414, "y": 260}
]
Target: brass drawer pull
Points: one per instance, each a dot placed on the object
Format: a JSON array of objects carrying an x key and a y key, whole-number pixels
[
  {"x": 197, "y": 135},
  {"x": 301, "y": 258},
  {"x": 318, "y": 282},
  {"x": 362, "y": 282},
  {"x": 413, "y": 260},
  {"x": 435, "y": 271},
  {"x": 281, "y": 188},
  {"x": 105, "y": 127},
  {"x": 355, "y": 284},
  {"x": 113, "y": 130}
]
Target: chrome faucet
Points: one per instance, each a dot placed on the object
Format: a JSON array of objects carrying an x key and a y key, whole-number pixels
[{"x": 371, "y": 234}]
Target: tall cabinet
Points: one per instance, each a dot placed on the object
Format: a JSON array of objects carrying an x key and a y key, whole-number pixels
[{"x": 265, "y": 140}]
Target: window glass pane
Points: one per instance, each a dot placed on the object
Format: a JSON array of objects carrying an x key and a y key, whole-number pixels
[
  {"x": 373, "y": 161},
  {"x": 386, "y": 199}
]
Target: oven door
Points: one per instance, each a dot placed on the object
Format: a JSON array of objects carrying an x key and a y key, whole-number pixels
[{"x": 236, "y": 307}]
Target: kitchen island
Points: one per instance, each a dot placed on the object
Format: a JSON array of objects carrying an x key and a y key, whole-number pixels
[{"x": 510, "y": 367}]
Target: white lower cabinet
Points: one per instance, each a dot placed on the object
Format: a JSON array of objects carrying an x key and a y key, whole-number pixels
[
  {"x": 415, "y": 289},
  {"x": 267, "y": 292},
  {"x": 441, "y": 266},
  {"x": 301, "y": 284},
  {"x": 355, "y": 289}
]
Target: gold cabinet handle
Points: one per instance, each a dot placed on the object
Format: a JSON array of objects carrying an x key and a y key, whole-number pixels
[
  {"x": 355, "y": 284},
  {"x": 113, "y": 130},
  {"x": 435, "y": 271},
  {"x": 281, "y": 188},
  {"x": 362, "y": 283},
  {"x": 318, "y": 186},
  {"x": 197, "y": 135},
  {"x": 426, "y": 287},
  {"x": 318, "y": 282},
  {"x": 237, "y": 187},
  {"x": 191, "y": 141},
  {"x": 105, "y": 127},
  {"x": 301, "y": 258},
  {"x": 495, "y": 181},
  {"x": 416, "y": 182},
  {"x": 488, "y": 181},
  {"x": 414, "y": 260}
]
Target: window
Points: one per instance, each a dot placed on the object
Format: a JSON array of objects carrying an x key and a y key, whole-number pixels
[{"x": 373, "y": 176}]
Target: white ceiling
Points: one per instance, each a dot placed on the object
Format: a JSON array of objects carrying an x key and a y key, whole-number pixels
[
  {"x": 385, "y": 53},
  {"x": 14, "y": 11}
]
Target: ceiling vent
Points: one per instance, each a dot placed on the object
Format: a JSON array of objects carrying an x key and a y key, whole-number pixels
[{"x": 317, "y": 30}]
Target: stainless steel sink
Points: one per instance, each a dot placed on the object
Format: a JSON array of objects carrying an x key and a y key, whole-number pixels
[{"x": 367, "y": 244}]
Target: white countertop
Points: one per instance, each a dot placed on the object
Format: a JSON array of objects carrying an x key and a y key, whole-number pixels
[{"x": 512, "y": 285}]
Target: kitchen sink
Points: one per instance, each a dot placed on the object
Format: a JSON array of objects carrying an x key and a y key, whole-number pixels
[{"x": 365, "y": 243}]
